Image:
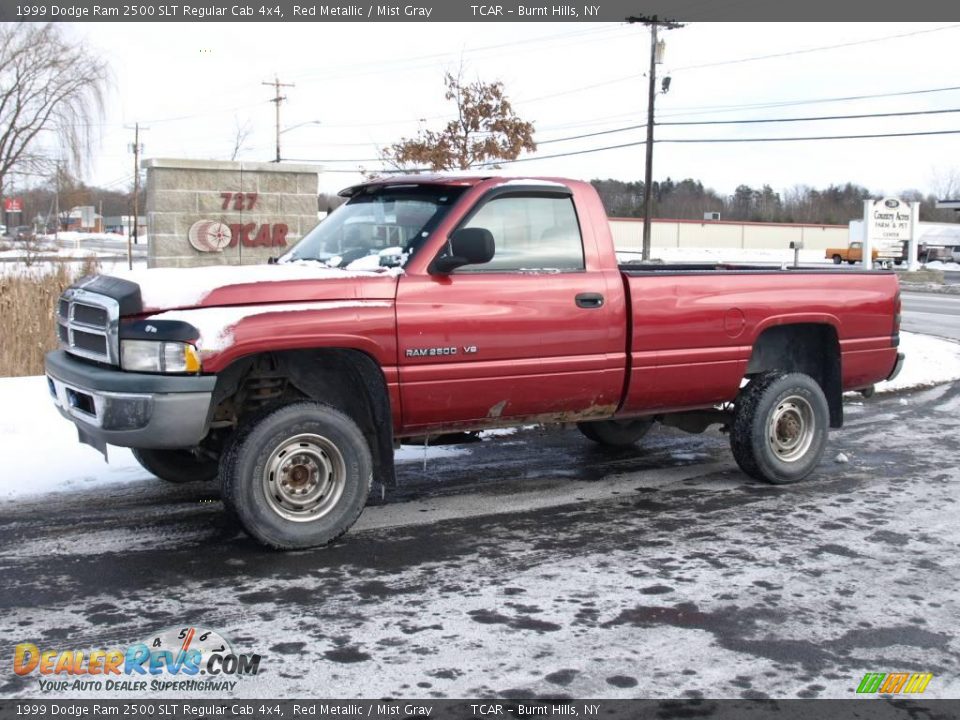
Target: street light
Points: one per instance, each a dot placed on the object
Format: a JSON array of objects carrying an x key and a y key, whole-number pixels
[{"x": 293, "y": 127}]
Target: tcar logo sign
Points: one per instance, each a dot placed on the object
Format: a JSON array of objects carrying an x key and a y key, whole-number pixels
[{"x": 209, "y": 236}]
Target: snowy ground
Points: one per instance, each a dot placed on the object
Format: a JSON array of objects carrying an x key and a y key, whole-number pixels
[
  {"x": 534, "y": 566},
  {"x": 40, "y": 266},
  {"x": 41, "y": 454}
]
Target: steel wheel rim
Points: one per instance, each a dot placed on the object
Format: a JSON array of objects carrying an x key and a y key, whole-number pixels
[
  {"x": 791, "y": 429},
  {"x": 304, "y": 477}
]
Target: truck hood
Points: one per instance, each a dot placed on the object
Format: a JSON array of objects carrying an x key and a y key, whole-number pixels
[{"x": 225, "y": 285}]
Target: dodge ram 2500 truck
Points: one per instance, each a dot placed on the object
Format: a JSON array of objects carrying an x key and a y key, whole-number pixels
[{"x": 428, "y": 304}]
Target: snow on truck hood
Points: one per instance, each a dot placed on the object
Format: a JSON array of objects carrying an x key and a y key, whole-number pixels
[{"x": 176, "y": 288}]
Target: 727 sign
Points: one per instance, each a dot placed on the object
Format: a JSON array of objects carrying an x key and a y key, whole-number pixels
[{"x": 238, "y": 201}]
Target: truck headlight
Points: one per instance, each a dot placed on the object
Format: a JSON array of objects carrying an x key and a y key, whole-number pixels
[{"x": 159, "y": 357}]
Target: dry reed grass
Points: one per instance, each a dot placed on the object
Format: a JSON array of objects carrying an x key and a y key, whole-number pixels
[{"x": 27, "y": 322}]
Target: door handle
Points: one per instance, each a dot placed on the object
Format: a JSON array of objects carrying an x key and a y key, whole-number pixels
[{"x": 589, "y": 300}]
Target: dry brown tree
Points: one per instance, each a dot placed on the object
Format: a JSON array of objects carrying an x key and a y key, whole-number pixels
[
  {"x": 47, "y": 82},
  {"x": 485, "y": 130}
]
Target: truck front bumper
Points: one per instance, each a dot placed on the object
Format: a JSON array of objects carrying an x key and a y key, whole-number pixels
[{"x": 130, "y": 409}]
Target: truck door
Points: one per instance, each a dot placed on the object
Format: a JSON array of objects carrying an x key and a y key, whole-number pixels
[{"x": 534, "y": 333}]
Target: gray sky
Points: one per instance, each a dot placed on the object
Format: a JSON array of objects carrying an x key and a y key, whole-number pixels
[{"x": 369, "y": 83}]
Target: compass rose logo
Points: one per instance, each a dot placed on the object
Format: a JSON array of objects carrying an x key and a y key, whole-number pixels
[{"x": 209, "y": 236}]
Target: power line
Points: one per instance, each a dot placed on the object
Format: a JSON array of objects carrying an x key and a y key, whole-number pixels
[
  {"x": 859, "y": 116},
  {"x": 637, "y": 76},
  {"x": 746, "y": 121},
  {"x": 815, "y": 137},
  {"x": 813, "y": 118},
  {"x": 815, "y": 101},
  {"x": 724, "y": 140},
  {"x": 821, "y": 48}
]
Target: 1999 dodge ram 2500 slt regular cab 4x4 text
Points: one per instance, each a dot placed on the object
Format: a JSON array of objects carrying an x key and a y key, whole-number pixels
[{"x": 428, "y": 304}]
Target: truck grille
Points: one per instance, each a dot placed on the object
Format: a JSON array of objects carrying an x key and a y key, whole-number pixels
[{"x": 87, "y": 325}]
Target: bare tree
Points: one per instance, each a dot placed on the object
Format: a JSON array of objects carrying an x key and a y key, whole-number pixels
[
  {"x": 47, "y": 83},
  {"x": 946, "y": 183},
  {"x": 485, "y": 130},
  {"x": 241, "y": 133}
]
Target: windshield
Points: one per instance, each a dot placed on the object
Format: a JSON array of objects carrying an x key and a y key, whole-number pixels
[{"x": 381, "y": 226}]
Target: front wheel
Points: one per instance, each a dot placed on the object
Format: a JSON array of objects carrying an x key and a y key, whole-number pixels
[
  {"x": 298, "y": 476},
  {"x": 615, "y": 433},
  {"x": 176, "y": 466},
  {"x": 779, "y": 429},
  {"x": 837, "y": 259}
]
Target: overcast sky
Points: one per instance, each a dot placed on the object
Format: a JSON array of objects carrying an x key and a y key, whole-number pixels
[{"x": 368, "y": 84}]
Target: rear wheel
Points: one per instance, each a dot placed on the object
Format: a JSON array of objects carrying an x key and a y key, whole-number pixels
[
  {"x": 779, "y": 429},
  {"x": 615, "y": 433},
  {"x": 297, "y": 476},
  {"x": 851, "y": 262},
  {"x": 176, "y": 466}
]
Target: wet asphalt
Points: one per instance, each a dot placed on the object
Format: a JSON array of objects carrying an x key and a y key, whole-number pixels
[{"x": 536, "y": 565}]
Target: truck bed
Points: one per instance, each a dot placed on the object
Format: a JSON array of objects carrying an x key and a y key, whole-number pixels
[
  {"x": 693, "y": 330},
  {"x": 641, "y": 269}
]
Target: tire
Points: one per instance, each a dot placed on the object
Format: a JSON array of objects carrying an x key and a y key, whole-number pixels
[
  {"x": 297, "y": 476},
  {"x": 779, "y": 429},
  {"x": 837, "y": 259},
  {"x": 176, "y": 466},
  {"x": 615, "y": 433},
  {"x": 851, "y": 262},
  {"x": 898, "y": 262}
]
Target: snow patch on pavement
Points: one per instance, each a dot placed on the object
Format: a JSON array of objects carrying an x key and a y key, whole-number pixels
[{"x": 929, "y": 361}]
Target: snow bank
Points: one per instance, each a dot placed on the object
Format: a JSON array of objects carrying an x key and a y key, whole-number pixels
[
  {"x": 40, "y": 268},
  {"x": 930, "y": 361},
  {"x": 40, "y": 450},
  {"x": 41, "y": 454},
  {"x": 81, "y": 237}
]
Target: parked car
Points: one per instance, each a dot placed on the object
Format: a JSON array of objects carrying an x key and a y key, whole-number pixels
[
  {"x": 853, "y": 253},
  {"x": 24, "y": 233},
  {"x": 291, "y": 381}
]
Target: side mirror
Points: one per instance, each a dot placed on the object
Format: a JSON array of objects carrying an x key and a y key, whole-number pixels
[{"x": 468, "y": 246}]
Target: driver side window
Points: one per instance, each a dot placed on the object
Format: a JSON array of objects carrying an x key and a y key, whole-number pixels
[{"x": 531, "y": 233}]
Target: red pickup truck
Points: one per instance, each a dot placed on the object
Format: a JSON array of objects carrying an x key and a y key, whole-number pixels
[{"x": 427, "y": 304}]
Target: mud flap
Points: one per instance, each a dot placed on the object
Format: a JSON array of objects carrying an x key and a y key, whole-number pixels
[{"x": 94, "y": 442}]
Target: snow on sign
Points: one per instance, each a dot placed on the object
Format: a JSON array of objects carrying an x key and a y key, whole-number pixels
[{"x": 888, "y": 220}]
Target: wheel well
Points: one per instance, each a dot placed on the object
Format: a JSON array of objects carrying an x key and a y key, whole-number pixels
[
  {"x": 809, "y": 348},
  {"x": 348, "y": 380}
]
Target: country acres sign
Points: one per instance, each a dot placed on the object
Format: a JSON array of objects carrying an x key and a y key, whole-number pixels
[
  {"x": 890, "y": 227},
  {"x": 888, "y": 220}
]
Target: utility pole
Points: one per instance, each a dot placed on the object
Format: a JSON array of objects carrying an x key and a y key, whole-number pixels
[
  {"x": 654, "y": 22},
  {"x": 56, "y": 231},
  {"x": 137, "y": 148},
  {"x": 277, "y": 99}
]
